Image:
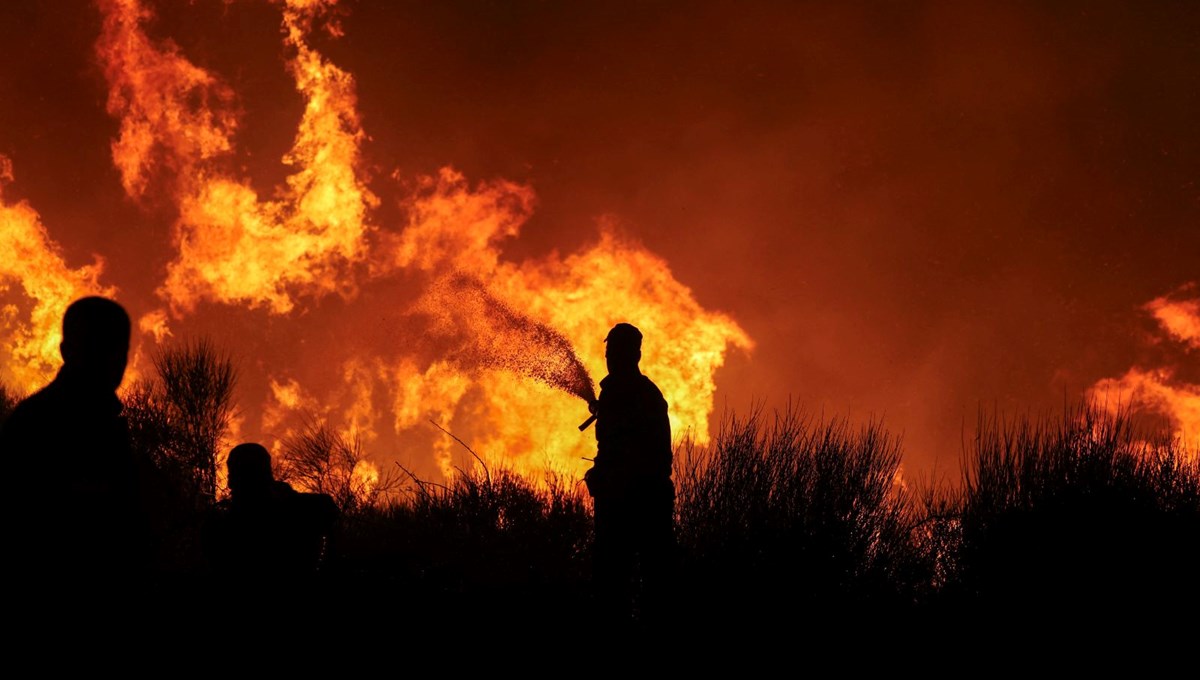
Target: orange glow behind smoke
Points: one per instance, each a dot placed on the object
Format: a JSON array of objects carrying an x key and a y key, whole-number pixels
[
  {"x": 34, "y": 262},
  {"x": 497, "y": 347},
  {"x": 1179, "y": 318},
  {"x": 1160, "y": 389}
]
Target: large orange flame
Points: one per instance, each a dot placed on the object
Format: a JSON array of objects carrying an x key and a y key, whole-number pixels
[
  {"x": 511, "y": 321},
  {"x": 33, "y": 320},
  {"x": 232, "y": 246},
  {"x": 582, "y": 295}
]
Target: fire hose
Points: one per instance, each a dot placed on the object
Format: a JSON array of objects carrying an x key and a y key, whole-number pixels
[{"x": 593, "y": 407}]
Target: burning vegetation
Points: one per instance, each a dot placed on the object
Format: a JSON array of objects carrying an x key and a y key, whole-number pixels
[
  {"x": 353, "y": 306},
  {"x": 463, "y": 329}
]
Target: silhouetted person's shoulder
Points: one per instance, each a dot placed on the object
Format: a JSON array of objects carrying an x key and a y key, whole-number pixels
[
  {"x": 630, "y": 397},
  {"x": 52, "y": 403},
  {"x": 57, "y": 404},
  {"x": 15, "y": 430},
  {"x": 20, "y": 435},
  {"x": 78, "y": 412},
  {"x": 317, "y": 508},
  {"x": 266, "y": 528},
  {"x": 311, "y": 510},
  {"x": 72, "y": 438},
  {"x": 30, "y": 407},
  {"x": 75, "y": 508},
  {"x": 635, "y": 390}
]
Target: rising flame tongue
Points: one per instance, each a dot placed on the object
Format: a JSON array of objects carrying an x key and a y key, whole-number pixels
[
  {"x": 35, "y": 262},
  {"x": 232, "y": 246}
]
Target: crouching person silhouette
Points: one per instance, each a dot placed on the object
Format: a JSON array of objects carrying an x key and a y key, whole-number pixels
[
  {"x": 75, "y": 522},
  {"x": 632, "y": 491},
  {"x": 266, "y": 531}
]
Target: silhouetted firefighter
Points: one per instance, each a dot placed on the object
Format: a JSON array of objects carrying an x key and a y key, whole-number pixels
[
  {"x": 75, "y": 525},
  {"x": 631, "y": 486},
  {"x": 266, "y": 531}
]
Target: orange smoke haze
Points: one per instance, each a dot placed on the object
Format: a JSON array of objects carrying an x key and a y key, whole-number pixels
[
  {"x": 1179, "y": 318},
  {"x": 1167, "y": 389},
  {"x": 906, "y": 211}
]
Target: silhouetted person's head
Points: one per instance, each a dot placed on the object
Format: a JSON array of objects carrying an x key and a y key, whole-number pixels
[
  {"x": 250, "y": 471},
  {"x": 624, "y": 349},
  {"x": 95, "y": 344}
]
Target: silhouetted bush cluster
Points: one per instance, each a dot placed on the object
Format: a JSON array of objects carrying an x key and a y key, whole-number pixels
[
  {"x": 486, "y": 547},
  {"x": 1083, "y": 518},
  {"x": 178, "y": 421},
  {"x": 784, "y": 518},
  {"x": 794, "y": 515},
  {"x": 320, "y": 460}
]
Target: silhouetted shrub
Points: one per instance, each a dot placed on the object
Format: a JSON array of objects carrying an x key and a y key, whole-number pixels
[
  {"x": 178, "y": 422},
  {"x": 197, "y": 382},
  {"x": 794, "y": 515},
  {"x": 181, "y": 418},
  {"x": 488, "y": 548},
  {"x": 320, "y": 460},
  {"x": 1084, "y": 518}
]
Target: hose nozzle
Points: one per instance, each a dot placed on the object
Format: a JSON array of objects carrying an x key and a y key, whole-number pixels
[{"x": 592, "y": 406}]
